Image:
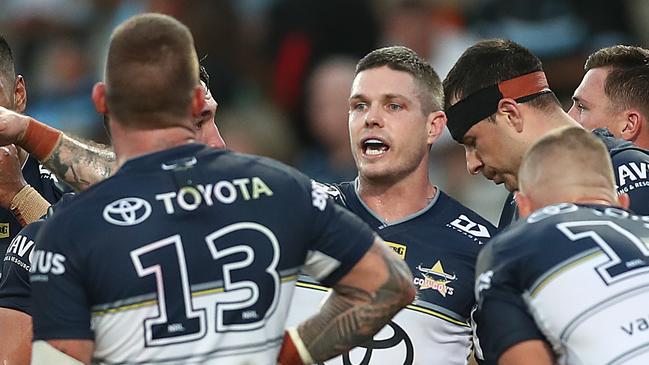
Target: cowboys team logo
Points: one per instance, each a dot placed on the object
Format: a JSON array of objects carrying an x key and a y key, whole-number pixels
[
  {"x": 127, "y": 211},
  {"x": 435, "y": 278}
]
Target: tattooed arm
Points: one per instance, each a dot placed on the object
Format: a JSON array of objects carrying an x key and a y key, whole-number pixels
[
  {"x": 361, "y": 304},
  {"x": 81, "y": 163},
  {"x": 77, "y": 162}
]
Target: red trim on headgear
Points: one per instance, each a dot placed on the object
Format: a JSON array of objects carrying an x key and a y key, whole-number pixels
[{"x": 525, "y": 85}]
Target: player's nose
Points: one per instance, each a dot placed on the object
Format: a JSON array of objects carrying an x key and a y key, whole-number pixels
[{"x": 473, "y": 162}]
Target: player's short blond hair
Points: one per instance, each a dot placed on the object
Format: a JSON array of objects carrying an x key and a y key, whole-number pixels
[{"x": 567, "y": 157}]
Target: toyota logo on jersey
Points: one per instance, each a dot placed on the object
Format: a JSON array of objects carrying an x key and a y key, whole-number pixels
[{"x": 127, "y": 211}]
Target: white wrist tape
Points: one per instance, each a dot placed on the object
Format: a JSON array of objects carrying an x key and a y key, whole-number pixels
[{"x": 299, "y": 345}]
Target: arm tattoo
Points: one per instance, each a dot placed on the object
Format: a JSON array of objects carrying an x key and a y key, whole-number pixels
[
  {"x": 81, "y": 163},
  {"x": 351, "y": 316}
]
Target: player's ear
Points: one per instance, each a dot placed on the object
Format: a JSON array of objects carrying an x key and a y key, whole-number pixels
[
  {"x": 523, "y": 203},
  {"x": 20, "y": 95},
  {"x": 631, "y": 125},
  {"x": 99, "y": 98},
  {"x": 624, "y": 200},
  {"x": 508, "y": 108},
  {"x": 435, "y": 124},
  {"x": 198, "y": 100}
]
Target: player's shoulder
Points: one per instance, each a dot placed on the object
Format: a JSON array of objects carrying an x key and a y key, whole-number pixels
[
  {"x": 339, "y": 192},
  {"x": 539, "y": 229},
  {"x": 621, "y": 151},
  {"x": 264, "y": 166}
]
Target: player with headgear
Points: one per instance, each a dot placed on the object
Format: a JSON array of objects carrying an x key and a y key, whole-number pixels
[
  {"x": 498, "y": 103},
  {"x": 568, "y": 283}
]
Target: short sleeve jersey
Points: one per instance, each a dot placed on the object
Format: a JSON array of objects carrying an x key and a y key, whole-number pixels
[
  {"x": 440, "y": 244},
  {"x": 188, "y": 255},
  {"x": 574, "y": 276},
  {"x": 631, "y": 169}
]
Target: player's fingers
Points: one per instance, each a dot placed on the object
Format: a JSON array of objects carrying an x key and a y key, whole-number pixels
[{"x": 12, "y": 149}]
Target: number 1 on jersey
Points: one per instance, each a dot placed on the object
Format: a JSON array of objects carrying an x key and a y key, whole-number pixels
[
  {"x": 627, "y": 253},
  {"x": 178, "y": 321}
]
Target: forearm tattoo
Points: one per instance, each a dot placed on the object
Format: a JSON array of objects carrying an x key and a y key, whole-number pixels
[
  {"x": 81, "y": 163},
  {"x": 351, "y": 316}
]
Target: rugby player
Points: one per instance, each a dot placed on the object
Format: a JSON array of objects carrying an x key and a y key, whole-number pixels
[
  {"x": 23, "y": 199},
  {"x": 498, "y": 103},
  {"x": 614, "y": 93},
  {"x": 83, "y": 163},
  {"x": 568, "y": 284},
  {"x": 394, "y": 118},
  {"x": 193, "y": 251}
]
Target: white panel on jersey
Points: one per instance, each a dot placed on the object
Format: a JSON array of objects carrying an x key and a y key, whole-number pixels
[
  {"x": 592, "y": 322},
  {"x": 119, "y": 336},
  {"x": 319, "y": 265}
]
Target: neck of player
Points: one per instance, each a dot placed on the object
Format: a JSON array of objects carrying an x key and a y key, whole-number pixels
[
  {"x": 131, "y": 143},
  {"x": 395, "y": 200}
]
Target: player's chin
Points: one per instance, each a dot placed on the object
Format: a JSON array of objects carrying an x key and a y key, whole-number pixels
[
  {"x": 374, "y": 171},
  {"x": 511, "y": 184}
]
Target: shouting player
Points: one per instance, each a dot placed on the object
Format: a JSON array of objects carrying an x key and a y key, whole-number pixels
[{"x": 394, "y": 118}]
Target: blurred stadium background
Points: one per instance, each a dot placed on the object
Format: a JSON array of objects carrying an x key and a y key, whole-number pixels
[{"x": 281, "y": 69}]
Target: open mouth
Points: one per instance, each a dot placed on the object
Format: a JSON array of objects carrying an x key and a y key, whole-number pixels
[{"x": 374, "y": 147}]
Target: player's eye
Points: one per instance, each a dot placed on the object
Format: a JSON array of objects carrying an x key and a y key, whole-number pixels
[
  {"x": 360, "y": 106},
  {"x": 394, "y": 107}
]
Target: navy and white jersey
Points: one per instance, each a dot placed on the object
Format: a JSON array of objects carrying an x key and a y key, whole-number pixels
[
  {"x": 631, "y": 168},
  {"x": 15, "y": 289},
  {"x": 45, "y": 183},
  {"x": 575, "y": 276},
  {"x": 187, "y": 256},
  {"x": 440, "y": 244}
]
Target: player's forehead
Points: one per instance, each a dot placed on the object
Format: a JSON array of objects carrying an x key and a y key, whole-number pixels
[
  {"x": 484, "y": 131},
  {"x": 380, "y": 82},
  {"x": 592, "y": 85}
]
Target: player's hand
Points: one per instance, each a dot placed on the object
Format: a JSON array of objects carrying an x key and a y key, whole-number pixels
[
  {"x": 11, "y": 176},
  {"x": 12, "y": 126}
]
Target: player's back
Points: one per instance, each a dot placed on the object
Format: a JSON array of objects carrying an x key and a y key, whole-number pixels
[
  {"x": 189, "y": 256},
  {"x": 583, "y": 275}
]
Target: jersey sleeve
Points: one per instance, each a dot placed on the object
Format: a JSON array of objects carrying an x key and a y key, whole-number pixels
[
  {"x": 60, "y": 308},
  {"x": 501, "y": 318},
  {"x": 15, "y": 290},
  {"x": 338, "y": 238},
  {"x": 631, "y": 167}
]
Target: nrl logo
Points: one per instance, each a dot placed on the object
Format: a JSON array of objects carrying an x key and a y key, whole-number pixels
[{"x": 435, "y": 278}]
